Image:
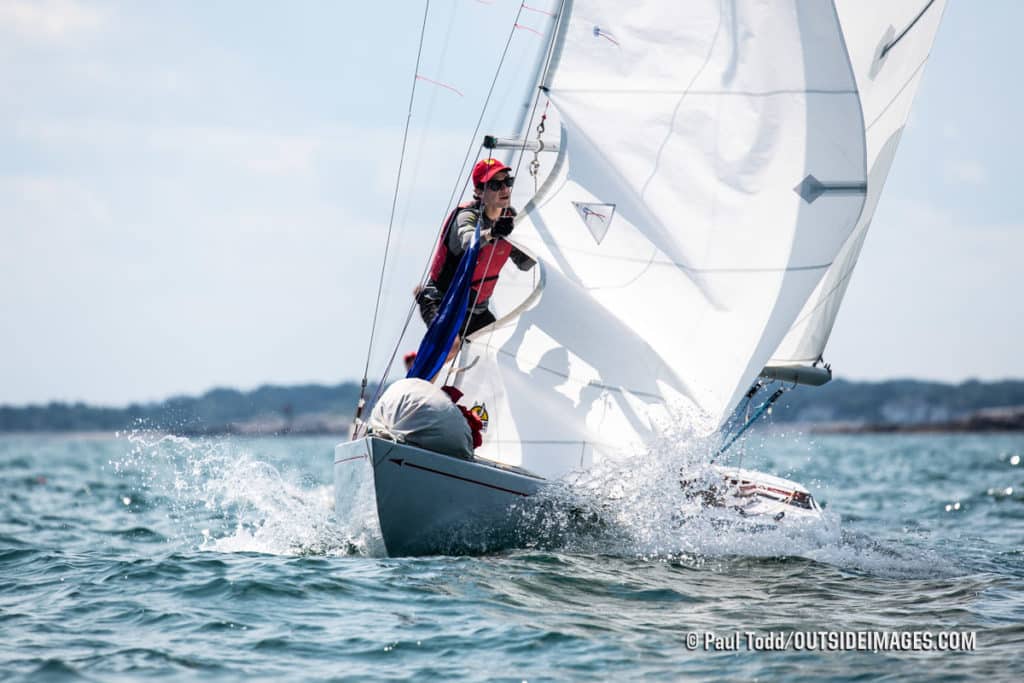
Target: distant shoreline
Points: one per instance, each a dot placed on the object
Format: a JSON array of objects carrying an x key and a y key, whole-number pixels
[
  {"x": 998, "y": 420},
  {"x": 819, "y": 428},
  {"x": 840, "y": 406},
  {"x": 123, "y": 434}
]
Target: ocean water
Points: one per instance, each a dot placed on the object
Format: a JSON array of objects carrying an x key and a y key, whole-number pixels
[{"x": 143, "y": 557}]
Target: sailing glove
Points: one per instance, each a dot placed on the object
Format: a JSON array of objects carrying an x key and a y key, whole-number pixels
[{"x": 502, "y": 227}]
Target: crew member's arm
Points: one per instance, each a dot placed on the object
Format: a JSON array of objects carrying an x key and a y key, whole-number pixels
[
  {"x": 503, "y": 228},
  {"x": 461, "y": 234},
  {"x": 522, "y": 261}
]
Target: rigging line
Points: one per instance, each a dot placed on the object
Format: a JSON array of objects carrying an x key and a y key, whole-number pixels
[
  {"x": 531, "y": 30},
  {"x": 490, "y": 256},
  {"x": 899, "y": 93},
  {"x": 405, "y": 327},
  {"x": 394, "y": 353},
  {"x": 483, "y": 111},
  {"x": 465, "y": 184},
  {"x": 439, "y": 83},
  {"x": 538, "y": 10},
  {"x": 904, "y": 32},
  {"x": 472, "y": 305},
  {"x": 525, "y": 132},
  {"x": 361, "y": 403},
  {"x": 480, "y": 119},
  {"x": 750, "y": 401},
  {"x": 394, "y": 199},
  {"x": 764, "y": 407},
  {"x": 408, "y": 317},
  {"x": 732, "y": 423},
  {"x": 487, "y": 268},
  {"x": 515, "y": 312},
  {"x": 401, "y": 335},
  {"x": 750, "y": 397},
  {"x": 427, "y": 121}
]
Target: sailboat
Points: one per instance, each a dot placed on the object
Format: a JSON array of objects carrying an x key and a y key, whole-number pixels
[{"x": 716, "y": 168}]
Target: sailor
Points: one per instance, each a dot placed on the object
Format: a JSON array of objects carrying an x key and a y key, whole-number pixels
[
  {"x": 492, "y": 197},
  {"x": 409, "y": 359}
]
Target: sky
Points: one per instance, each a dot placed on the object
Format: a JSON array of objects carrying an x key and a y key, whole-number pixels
[{"x": 197, "y": 194}]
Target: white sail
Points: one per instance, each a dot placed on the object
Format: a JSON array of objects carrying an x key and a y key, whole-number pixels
[
  {"x": 888, "y": 44},
  {"x": 711, "y": 166}
]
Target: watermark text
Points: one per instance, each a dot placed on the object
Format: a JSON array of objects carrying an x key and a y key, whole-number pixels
[{"x": 832, "y": 641}]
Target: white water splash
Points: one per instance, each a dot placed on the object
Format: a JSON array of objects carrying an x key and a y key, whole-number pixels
[
  {"x": 638, "y": 508},
  {"x": 223, "y": 498}
]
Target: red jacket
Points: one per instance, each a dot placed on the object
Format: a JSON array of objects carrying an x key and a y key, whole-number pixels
[{"x": 489, "y": 262}]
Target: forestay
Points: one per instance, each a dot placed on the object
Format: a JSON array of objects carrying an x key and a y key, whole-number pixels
[
  {"x": 675, "y": 238},
  {"x": 888, "y": 44}
]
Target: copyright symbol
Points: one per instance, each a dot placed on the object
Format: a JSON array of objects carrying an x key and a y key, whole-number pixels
[{"x": 692, "y": 641}]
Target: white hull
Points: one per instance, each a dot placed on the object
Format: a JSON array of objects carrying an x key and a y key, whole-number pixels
[{"x": 410, "y": 501}]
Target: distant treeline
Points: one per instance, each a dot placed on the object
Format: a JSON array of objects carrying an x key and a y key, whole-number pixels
[
  {"x": 225, "y": 410},
  {"x": 895, "y": 401},
  {"x": 215, "y": 411}
]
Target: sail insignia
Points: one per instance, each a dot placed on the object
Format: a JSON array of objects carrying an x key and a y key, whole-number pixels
[
  {"x": 480, "y": 410},
  {"x": 597, "y": 217}
]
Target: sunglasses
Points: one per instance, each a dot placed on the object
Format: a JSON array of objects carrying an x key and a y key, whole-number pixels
[{"x": 495, "y": 185}]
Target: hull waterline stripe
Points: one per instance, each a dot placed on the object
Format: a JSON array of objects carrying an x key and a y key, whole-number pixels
[
  {"x": 406, "y": 463},
  {"x": 354, "y": 457}
]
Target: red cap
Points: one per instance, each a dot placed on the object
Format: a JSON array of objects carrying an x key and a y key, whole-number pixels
[
  {"x": 409, "y": 356},
  {"x": 486, "y": 169}
]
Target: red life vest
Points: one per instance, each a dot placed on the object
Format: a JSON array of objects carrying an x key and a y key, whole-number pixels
[{"x": 490, "y": 259}]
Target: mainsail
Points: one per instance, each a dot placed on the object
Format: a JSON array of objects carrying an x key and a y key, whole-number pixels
[
  {"x": 888, "y": 45},
  {"x": 711, "y": 166}
]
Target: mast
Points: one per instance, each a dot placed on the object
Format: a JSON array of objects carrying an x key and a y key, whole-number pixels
[{"x": 528, "y": 107}]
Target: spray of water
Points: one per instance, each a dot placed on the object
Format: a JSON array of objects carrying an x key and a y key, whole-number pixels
[
  {"x": 637, "y": 508},
  {"x": 218, "y": 496}
]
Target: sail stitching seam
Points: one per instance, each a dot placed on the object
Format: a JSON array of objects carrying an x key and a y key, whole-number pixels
[
  {"x": 898, "y": 93},
  {"x": 662, "y": 262},
  {"x": 590, "y": 383},
  {"x": 743, "y": 93}
]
